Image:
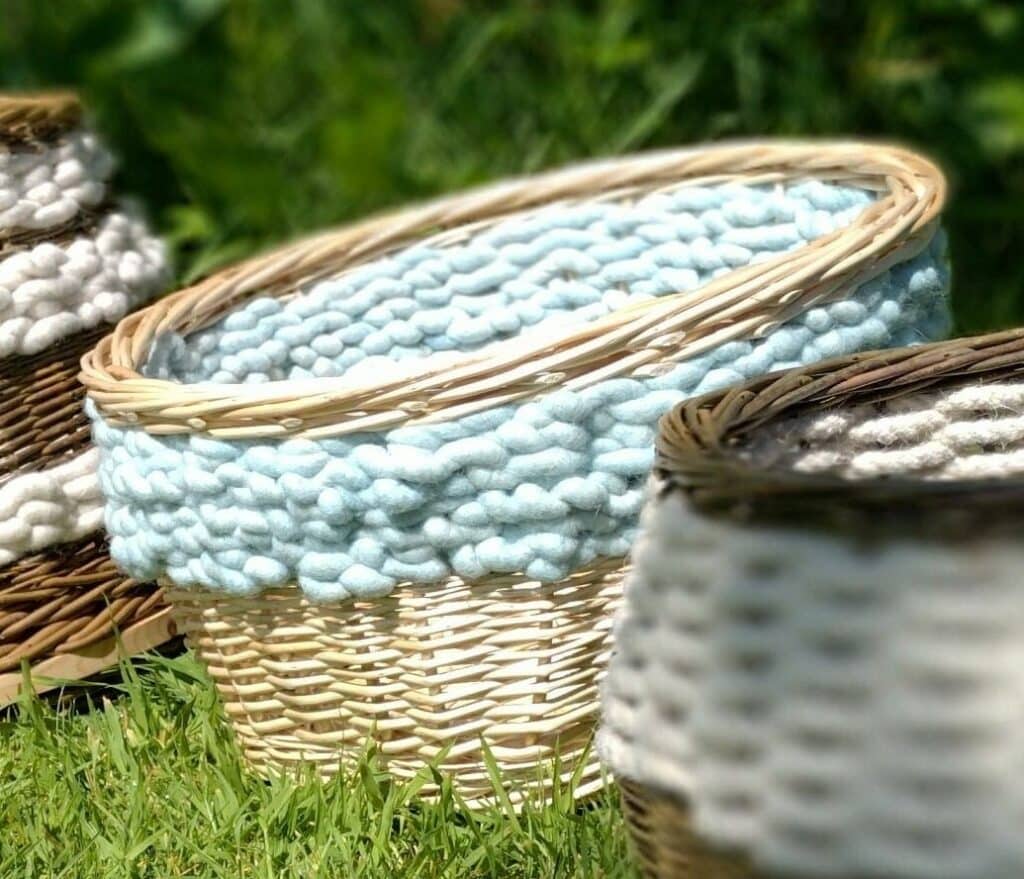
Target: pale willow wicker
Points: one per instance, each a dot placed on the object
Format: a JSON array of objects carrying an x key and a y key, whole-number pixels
[
  {"x": 65, "y": 609},
  {"x": 502, "y": 662},
  {"x": 820, "y": 688}
]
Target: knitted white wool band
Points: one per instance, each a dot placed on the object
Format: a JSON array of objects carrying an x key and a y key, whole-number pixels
[
  {"x": 52, "y": 290},
  {"x": 972, "y": 432},
  {"x": 48, "y": 187},
  {"x": 825, "y": 710},
  {"x": 51, "y": 506}
]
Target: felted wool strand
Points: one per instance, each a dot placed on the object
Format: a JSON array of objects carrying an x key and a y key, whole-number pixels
[
  {"x": 50, "y": 291},
  {"x": 46, "y": 507},
  {"x": 542, "y": 487},
  {"x": 49, "y": 186}
]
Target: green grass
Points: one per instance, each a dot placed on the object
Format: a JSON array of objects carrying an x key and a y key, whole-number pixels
[{"x": 147, "y": 782}]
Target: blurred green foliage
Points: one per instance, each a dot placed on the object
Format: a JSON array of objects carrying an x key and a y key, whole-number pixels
[{"x": 245, "y": 122}]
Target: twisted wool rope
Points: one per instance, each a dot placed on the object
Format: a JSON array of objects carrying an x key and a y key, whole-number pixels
[
  {"x": 50, "y": 291},
  {"x": 544, "y": 488},
  {"x": 45, "y": 188}
]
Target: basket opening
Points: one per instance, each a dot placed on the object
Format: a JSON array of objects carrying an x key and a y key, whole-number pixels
[{"x": 564, "y": 264}]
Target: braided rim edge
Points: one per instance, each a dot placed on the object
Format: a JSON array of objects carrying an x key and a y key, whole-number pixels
[{"x": 638, "y": 340}]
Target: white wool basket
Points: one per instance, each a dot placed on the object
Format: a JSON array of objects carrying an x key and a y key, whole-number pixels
[{"x": 819, "y": 668}]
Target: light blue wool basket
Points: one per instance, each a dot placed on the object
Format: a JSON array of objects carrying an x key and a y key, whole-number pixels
[{"x": 540, "y": 485}]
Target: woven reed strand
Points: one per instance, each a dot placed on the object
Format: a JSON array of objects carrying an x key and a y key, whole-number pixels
[
  {"x": 42, "y": 420},
  {"x": 64, "y": 599},
  {"x": 747, "y": 303},
  {"x": 427, "y": 675},
  {"x": 28, "y": 121},
  {"x": 665, "y": 844},
  {"x": 701, "y": 442}
]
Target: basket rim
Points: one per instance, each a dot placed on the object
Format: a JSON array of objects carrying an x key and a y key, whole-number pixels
[
  {"x": 749, "y": 301},
  {"x": 34, "y": 116},
  {"x": 700, "y": 443}
]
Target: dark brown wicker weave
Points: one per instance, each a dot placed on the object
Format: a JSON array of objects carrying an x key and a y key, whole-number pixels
[
  {"x": 66, "y": 611},
  {"x": 703, "y": 451},
  {"x": 30, "y": 119}
]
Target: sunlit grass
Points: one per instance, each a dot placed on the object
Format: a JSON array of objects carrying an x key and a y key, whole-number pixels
[{"x": 144, "y": 780}]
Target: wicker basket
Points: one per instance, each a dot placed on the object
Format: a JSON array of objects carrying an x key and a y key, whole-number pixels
[
  {"x": 817, "y": 666},
  {"x": 479, "y": 658},
  {"x": 67, "y": 271}
]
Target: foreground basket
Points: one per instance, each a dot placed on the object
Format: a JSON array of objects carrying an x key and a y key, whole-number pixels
[
  {"x": 72, "y": 262},
  {"x": 817, "y": 667},
  {"x": 427, "y": 554}
]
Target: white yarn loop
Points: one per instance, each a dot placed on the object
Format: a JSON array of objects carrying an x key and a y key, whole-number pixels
[
  {"x": 45, "y": 188},
  {"x": 50, "y": 291},
  {"x": 50, "y": 506}
]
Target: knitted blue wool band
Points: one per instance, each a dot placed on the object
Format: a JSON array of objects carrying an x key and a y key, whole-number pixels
[{"x": 544, "y": 486}]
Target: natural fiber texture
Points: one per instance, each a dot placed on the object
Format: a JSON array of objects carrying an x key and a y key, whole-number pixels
[
  {"x": 430, "y": 676},
  {"x": 419, "y": 666},
  {"x": 42, "y": 422},
  {"x": 30, "y": 119},
  {"x": 66, "y": 598},
  {"x": 898, "y": 225},
  {"x": 820, "y": 648},
  {"x": 665, "y": 844}
]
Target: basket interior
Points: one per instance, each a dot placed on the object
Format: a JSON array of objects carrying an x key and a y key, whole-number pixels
[{"x": 566, "y": 263}]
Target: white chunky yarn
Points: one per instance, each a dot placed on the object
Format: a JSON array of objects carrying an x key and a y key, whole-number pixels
[
  {"x": 50, "y": 291},
  {"x": 827, "y": 711},
  {"x": 972, "y": 432},
  {"x": 49, "y": 186},
  {"x": 51, "y": 506}
]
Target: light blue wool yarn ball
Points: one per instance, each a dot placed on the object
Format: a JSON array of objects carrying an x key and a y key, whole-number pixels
[{"x": 542, "y": 487}]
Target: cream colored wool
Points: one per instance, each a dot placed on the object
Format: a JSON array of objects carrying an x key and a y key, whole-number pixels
[
  {"x": 825, "y": 711},
  {"x": 51, "y": 506},
  {"x": 49, "y": 186},
  {"x": 50, "y": 291}
]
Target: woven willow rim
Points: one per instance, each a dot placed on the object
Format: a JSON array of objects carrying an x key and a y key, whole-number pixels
[
  {"x": 649, "y": 336},
  {"x": 700, "y": 445},
  {"x": 37, "y": 117}
]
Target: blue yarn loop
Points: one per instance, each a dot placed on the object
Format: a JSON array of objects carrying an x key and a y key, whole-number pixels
[{"x": 541, "y": 487}]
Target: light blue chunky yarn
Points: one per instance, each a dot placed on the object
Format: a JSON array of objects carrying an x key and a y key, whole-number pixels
[{"x": 542, "y": 487}]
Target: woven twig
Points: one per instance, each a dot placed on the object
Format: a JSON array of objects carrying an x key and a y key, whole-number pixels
[
  {"x": 42, "y": 420},
  {"x": 747, "y": 303},
  {"x": 30, "y": 119},
  {"x": 66, "y": 598},
  {"x": 701, "y": 443}
]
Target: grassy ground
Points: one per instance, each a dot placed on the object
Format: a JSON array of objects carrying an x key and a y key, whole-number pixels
[
  {"x": 146, "y": 782},
  {"x": 241, "y": 123}
]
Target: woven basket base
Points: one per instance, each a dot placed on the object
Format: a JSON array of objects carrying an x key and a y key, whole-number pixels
[
  {"x": 666, "y": 846},
  {"x": 427, "y": 674},
  {"x": 56, "y": 671}
]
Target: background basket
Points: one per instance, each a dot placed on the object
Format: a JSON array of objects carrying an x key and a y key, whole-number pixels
[
  {"x": 508, "y": 661},
  {"x": 71, "y": 263},
  {"x": 822, "y": 686}
]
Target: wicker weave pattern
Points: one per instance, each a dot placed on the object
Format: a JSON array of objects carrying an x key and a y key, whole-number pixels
[
  {"x": 65, "y": 599},
  {"x": 744, "y": 303},
  {"x": 508, "y": 662},
  {"x": 29, "y": 120},
  {"x": 42, "y": 422}
]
